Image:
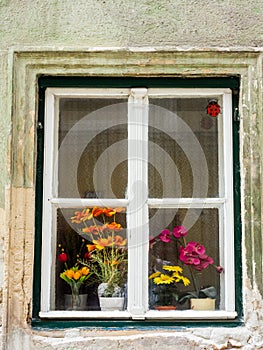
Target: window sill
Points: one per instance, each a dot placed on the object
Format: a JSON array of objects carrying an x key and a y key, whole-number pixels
[{"x": 150, "y": 315}]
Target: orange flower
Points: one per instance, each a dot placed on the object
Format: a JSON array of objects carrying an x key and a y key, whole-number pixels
[
  {"x": 77, "y": 275},
  {"x": 87, "y": 215},
  {"x": 91, "y": 247},
  {"x": 77, "y": 218},
  {"x": 113, "y": 226},
  {"x": 95, "y": 230},
  {"x": 101, "y": 243},
  {"x": 119, "y": 241},
  {"x": 81, "y": 216},
  {"x": 69, "y": 273},
  {"x": 109, "y": 212},
  {"x": 96, "y": 211},
  {"x": 84, "y": 270}
]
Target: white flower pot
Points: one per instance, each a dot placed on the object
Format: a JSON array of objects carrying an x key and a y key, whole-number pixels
[
  {"x": 111, "y": 303},
  {"x": 202, "y": 304}
]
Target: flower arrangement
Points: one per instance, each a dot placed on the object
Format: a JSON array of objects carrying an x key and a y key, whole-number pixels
[
  {"x": 107, "y": 251},
  {"x": 166, "y": 282},
  {"x": 193, "y": 255},
  {"x": 74, "y": 276}
]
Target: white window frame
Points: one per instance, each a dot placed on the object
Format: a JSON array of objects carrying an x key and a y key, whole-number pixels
[{"x": 138, "y": 100}]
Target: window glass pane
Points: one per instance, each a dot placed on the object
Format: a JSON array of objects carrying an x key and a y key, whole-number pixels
[
  {"x": 184, "y": 262},
  {"x": 91, "y": 258},
  {"x": 92, "y": 148},
  {"x": 183, "y": 148}
]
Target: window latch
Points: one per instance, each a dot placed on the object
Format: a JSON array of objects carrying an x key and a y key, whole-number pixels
[
  {"x": 39, "y": 125},
  {"x": 236, "y": 115}
]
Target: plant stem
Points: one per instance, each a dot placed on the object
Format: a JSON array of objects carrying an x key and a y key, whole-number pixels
[{"x": 194, "y": 281}]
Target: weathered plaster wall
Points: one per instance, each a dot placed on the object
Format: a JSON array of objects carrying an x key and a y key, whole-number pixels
[
  {"x": 132, "y": 23},
  {"x": 180, "y": 37}
]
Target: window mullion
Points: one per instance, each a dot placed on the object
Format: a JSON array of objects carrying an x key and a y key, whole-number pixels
[
  {"x": 228, "y": 209},
  {"x": 137, "y": 213}
]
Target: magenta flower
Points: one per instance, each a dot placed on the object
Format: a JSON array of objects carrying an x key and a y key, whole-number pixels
[
  {"x": 219, "y": 269},
  {"x": 195, "y": 248},
  {"x": 194, "y": 254},
  {"x": 179, "y": 231},
  {"x": 204, "y": 263},
  {"x": 165, "y": 236}
]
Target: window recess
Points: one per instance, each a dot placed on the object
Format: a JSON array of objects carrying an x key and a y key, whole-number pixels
[{"x": 137, "y": 192}]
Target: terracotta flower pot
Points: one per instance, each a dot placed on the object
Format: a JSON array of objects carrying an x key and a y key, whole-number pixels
[{"x": 165, "y": 307}]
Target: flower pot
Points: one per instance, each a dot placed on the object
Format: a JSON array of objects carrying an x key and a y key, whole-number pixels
[
  {"x": 77, "y": 303},
  {"x": 165, "y": 307},
  {"x": 202, "y": 304},
  {"x": 111, "y": 303}
]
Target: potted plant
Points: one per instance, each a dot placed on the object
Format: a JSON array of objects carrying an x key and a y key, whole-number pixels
[
  {"x": 165, "y": 286},
  {"x": 107, "y": 253},
  {"x": 194, "y": 256},
  {"x": 75, "y": 277}
]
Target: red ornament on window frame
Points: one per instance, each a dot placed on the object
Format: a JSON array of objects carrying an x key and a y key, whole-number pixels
[{"x": 213, "y": 108}]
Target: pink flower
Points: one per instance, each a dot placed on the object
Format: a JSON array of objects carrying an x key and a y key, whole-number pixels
[
  {"x": 219, "y": 269},
  {"x": 165, "y": 236},
  {"x": 195, "y": 248},
  {"x": 179, "y": 231},
  {"x": 204, "y": 263}
]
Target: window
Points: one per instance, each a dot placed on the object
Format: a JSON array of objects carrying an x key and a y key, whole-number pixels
[{"x": 138, "y": 186}]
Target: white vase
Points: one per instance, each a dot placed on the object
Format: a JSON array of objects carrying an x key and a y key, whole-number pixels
[
  {"x": 111, "y": 303},
  {"x": 202, "y": 304}
]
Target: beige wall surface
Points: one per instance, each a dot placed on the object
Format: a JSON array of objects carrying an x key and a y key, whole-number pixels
[{"x": 184, "y": 38}]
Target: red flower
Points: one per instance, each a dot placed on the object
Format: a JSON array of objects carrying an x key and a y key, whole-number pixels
[
  {"x": 63, "y": 257},
  {"x": 87, "y": 256}
]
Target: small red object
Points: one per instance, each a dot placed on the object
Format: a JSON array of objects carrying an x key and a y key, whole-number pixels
[
  {"x": 213, "y": 108},
  {"x": 63, "y": 257}
]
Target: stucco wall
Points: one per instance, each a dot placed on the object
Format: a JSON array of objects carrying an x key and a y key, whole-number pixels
[
  {"x": 119, "y": 38},
  {"x": 132, "y": 23}
]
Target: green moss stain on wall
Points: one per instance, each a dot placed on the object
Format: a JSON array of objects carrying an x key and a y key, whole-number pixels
[{"x": 5, "y": 125}]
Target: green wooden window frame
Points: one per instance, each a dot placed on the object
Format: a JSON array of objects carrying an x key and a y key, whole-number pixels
[{"x": 104, "y": 82}]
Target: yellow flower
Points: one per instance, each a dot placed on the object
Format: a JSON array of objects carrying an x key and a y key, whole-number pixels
[
  {"x": 173, "y": 268},
  {"x": 186, "y": 281},
  {"x": 155, "y": 274},
  {"x": 163, "y": 279}
]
